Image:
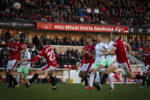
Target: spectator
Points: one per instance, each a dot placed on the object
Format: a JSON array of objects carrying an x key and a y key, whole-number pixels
[{"x": 118, "y": 12}]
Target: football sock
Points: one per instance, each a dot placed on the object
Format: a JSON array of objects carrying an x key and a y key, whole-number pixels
[
  {"x": 9, "y": 80},
  {"x": 111, "y": 83},
  {"x": 143, "y": 81},
  {"x": 33, "y": 78},
  {"x": 100, "y": 76},
  {"x": 103, "y": 79},
  {"x": 53, "y": 81},
  {"x": 86, "y": 81},
  {"x": 13, "y": 79},
  {"x": 82, "y": 79},
  {"x": 91, "y": 79},
  {"x": 18, "y": 77}
]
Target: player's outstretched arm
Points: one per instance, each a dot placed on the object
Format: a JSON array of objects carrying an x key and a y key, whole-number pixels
[
  {"x": 31, "y": 60},
  {"x": 111, "y": 52},
  {"x": 34, "y": 59}
]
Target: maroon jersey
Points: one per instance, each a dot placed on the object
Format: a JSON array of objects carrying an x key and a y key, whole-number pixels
[
  {"x": 147, "y": 56},
  {"x": 14, "y": 49},
  {"x": 48, "y": 53},
  {"x": 120, "y": 51},
  {"x": 88, "y": 49}
]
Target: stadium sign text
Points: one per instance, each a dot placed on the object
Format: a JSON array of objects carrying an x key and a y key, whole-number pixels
[{"x": 80, "y": 27}]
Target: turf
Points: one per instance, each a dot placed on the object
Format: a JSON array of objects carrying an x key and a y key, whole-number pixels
[{"x": 74, "y": 92}]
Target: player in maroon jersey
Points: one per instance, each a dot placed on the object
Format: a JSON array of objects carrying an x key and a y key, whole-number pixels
[
  {"x": 88, "y": 60},
  {"x": 119, "y": 50},
  {"x": 48, "y": 53},
  {"x": 146, "y": 68},
  {"x": 15, "y": 48}
]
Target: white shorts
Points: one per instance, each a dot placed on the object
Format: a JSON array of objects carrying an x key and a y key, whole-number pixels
[
  {"x": 145, "y": 69},
  {"x": 86, "y": 67},
  {"x": 125, "y": 66},
  {"x": 11, "y": 65},
  {"x": 48, "y": 68}
]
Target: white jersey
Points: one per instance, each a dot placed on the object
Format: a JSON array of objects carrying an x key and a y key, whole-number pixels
[
  {"x": 100, "y": 46},
  {"x": 110, "y": 46},
  {"x": 27, "y": 55}
]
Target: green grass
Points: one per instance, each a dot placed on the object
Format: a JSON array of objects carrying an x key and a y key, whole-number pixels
[{"x": 74, "y": 92}]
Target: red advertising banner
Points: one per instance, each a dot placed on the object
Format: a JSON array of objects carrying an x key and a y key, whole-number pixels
[{"x": 81, "y": 27}]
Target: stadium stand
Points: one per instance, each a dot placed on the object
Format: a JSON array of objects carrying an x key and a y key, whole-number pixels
[{"x": 102, "y": 12}]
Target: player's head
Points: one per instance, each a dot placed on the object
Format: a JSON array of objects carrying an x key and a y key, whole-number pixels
[
  {"x": 45, "y": 42},
  {"x": 88, "y": 40},
  {"x": 114, "y": 35},
  {"x": 100, "y": 37},
  {"x": 16, "y": 37},
  {"x": 24, "y": 46}
]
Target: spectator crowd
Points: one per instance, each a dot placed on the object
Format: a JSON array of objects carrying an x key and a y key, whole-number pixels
[{"x": 114, "y": 12}]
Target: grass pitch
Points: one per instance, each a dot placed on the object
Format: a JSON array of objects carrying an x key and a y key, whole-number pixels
[{"x": 74, "y": 92}]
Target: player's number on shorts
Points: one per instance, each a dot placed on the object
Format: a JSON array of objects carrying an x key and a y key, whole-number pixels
[{"x": 51, "y": 55}]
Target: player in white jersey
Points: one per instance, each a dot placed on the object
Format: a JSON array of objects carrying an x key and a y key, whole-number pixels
[
  {"x": 99, "y": 49},
  {"x": 25, "y": 67},
  {"x": 110, "y": 59}
]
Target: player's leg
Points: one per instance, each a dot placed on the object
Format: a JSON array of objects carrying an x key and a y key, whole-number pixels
[
  {"x": 93, "y": 72},
  {"x": 131, "y": 75},
  {"x": 10, "y": 68},
  {"x": 144, "y": 69},
  {"x": 86, "y": 76},
  {"x": 112, "y": 66},
  {"x": 92, "y": 75},
  {"x": 25, "y": 73},
  {"x": 19, "y": 71},
  {"x": 148, "y": 77},
  {"x": 8, "y": 74},
  {"x": 35, "y": 76},
  {"x": 83, "y": 73},
  {"x": 95, "y": 67},
  {"x": 81, "y": 76},
  {"x": 111, "y": 83},
  {"x": 53, "y": 82}
]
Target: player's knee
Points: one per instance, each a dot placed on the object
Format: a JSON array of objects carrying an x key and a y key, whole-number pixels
[
  {"x": 94, "y": 70},
  {"x": 100, "y": 66}
]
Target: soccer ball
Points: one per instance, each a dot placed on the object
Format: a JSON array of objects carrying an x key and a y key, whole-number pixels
[{"x": 17, "y": 5}]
